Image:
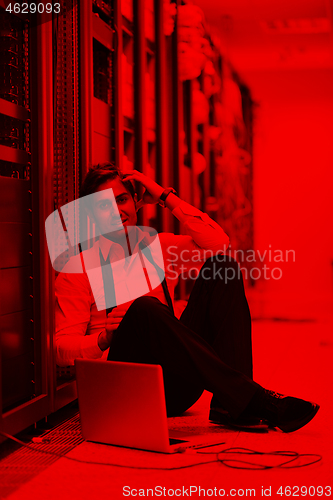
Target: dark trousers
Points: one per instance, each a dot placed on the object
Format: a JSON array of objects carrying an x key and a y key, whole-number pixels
[{"x": 208, "y": 348}]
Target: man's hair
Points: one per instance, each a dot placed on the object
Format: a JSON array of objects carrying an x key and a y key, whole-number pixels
[{"x": 101, "y": 173}]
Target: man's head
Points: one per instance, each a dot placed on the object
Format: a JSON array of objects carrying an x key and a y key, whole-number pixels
[
  {"x": 105, "y": 185},
  {"x": 101, "y": 173}
]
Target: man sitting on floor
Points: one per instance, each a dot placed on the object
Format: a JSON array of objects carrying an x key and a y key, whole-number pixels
[{"x": 209, "y": 347}]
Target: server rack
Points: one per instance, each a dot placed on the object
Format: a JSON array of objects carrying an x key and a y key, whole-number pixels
[
  {"x": 99, "y": 83},
  {"x": 25, "y": 325}
]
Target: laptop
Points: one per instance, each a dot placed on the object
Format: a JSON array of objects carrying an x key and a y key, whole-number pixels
[{"x": 123, "y": 404}]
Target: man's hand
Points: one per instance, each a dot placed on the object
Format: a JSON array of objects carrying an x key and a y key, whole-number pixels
[
  {"x": 112, "y": 322},
  {"x": 152, "y": 192}
]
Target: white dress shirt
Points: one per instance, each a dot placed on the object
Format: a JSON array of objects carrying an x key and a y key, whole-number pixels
[{"x": 80, "y": 311}]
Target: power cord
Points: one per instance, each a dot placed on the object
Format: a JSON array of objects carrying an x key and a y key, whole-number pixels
[
  {"x": 228, "y": 462},
  {"x": 255, "y": 466}
]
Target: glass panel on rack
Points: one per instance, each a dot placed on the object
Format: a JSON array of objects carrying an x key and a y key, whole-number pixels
[
  {"x": 128, "y": 158},
  {"x": 127, "y": 69},
  {"x": 127, "y": 66},
  {"x": 149, "y": 20},
  {"x": 14, "y": 84},
  {"x": 102, "y": 73},
  {"x": 200, "y": 113},
  {"x": 127, "y": 12},
  {"x": 150, "y": 98},
  {"x": 199, "y": 166},
  {"x": 150, "y": 105},
  {"x": 150, "y": 170}
]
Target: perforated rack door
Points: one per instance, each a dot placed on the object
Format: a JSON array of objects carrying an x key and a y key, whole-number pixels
[
  {"x": 66, "y": 122},
  {"x": 66, "y": 126}
]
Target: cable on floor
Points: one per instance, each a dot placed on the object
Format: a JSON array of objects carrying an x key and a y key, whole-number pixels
[{"x": 228, "y": 462}]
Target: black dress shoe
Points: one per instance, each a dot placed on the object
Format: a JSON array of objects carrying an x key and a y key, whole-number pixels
[
  {"x": 245, "y": 423},
  {"x": 285, "y": 412}
]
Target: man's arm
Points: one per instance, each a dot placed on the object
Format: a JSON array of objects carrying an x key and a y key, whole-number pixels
[
  {"x": 73, "y": 315},
  {"x": 206, "y": 233}
]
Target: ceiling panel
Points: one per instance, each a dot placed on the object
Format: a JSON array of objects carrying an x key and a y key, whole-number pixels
[
  {"x": 263, "y": 9},
  {"x": 258, "y": 34}
]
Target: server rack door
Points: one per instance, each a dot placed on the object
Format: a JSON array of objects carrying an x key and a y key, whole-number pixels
[
  {"x": 67, "y": 138},
  {"x": 24, "y": 280}
]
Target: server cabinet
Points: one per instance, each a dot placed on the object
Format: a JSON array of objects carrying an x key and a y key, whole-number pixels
[{"x": 25, "y": 325}]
